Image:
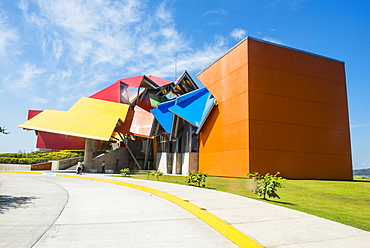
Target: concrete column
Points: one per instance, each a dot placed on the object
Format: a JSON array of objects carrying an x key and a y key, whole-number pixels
[
  {"x": 95, "y": 147},
  {"x": 89, "y": 148},
  {"x": 179, "y": 157}
]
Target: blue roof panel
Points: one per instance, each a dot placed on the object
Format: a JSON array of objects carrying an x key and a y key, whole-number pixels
[
  {"x": 194, "y": 107},
  {"x": 163, "y": 115}
]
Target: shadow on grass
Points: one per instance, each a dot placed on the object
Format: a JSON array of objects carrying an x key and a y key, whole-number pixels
[
  {"x": 366, "y": 180},
  {"x": 206, "y": 187},
  {"x": 8, "y": 202},
  {"x": 280, "y": 202},
  {"x": 361, "y": 180}
]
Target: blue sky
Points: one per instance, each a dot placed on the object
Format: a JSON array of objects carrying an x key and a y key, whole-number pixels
[{"x": 54, "y": 52}]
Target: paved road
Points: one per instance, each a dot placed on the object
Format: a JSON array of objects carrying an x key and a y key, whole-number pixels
[{"x": 50, "y": 211}]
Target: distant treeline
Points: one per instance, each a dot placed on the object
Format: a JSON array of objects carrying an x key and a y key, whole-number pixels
[{"x": 362, "y": 172}]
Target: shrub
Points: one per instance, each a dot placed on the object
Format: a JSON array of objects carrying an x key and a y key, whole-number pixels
[
  {"x": 37, "y": 157},
  {"x": 10, "y": 160},
  {"x": 196, "y": 178},
  {"x": 267, "y": 184},
  {"x": 12, "y": 155},
  {"x": 157, "y": 174},
  {"x": 125, "y": 172}
]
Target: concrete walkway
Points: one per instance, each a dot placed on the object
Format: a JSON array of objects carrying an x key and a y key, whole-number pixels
[{"x": 50, "y": 211}]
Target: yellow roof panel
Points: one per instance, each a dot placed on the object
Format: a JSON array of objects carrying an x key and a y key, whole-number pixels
[
  {"x": 95, "y": 106},
  {"x": 84, "y": 125}
]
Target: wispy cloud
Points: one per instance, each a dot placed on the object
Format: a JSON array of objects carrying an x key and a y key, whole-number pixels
[
  {"x": 361, "y": 125},
  {"x": 238, "y": 33},
  {"x": 82, "y": 46},
  {"x": 25, "y": 77},
  {"x": 9, "y": 35},
  {"x": 215, "y": 11},
  {"x": 273, "y": 40},
  {"x": 296, "y": 4},
  {"x": 291, "y": 4},
  {"x": 24, "y": 81}
]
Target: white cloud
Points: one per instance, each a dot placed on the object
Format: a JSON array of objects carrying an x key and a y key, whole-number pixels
[
  {"x": 9, "y": 35},
  {"x": 273, "y": 40},
  {"x": 215, "y": 11},
  {"x": 163, "y": 14},
  {"x": 296, "y": 4},
  {"x": 57, "y": 48},
  {"x": 24, "y": 81},
  {"x": 26, "y": 78},
  {"x": 87, "y": 45},
  {"x": 38, "y": 100},
  {"x": 353, "y": 126},
  {"x": 238, "y": 33},
  {"x": 291, "y": 4}
]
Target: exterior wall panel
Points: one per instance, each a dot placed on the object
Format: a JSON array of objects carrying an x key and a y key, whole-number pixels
[
  {"x": 224, "y": 140},
  {"x": 298, "y": 114},
  {"x": 279, "y": 109}
]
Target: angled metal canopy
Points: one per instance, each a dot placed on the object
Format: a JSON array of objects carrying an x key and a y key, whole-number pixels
[
  {"x": 95, "y": 106},
  {"x": 155, "y": 100},
  {"x": 194, "y": 107},
  {"x": 87, "y": 118},
  {"x": 163, "y": 115},
  {"x": 139, "y": 81},
  {"x": 83, "y": 125},
  {"x": 142, "y": 122},
  {"x": 184, "y": 84}
]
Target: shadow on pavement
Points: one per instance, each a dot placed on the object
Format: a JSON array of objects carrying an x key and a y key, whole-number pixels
[{"x": 8, "y": 202}]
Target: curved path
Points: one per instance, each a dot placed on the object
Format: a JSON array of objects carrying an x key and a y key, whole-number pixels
[
  {"x": 50, "y": 211},
  {"x": 54, "y": 211}
]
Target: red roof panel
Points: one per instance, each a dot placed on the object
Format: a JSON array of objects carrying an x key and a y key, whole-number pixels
[
  {"x": 159, "y": 81},
  {"x": 132, "y": 81},
  {"x": 111, "y": 93}
]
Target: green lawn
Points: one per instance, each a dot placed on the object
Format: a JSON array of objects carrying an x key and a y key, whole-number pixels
[{"x": 347, "y": 202}]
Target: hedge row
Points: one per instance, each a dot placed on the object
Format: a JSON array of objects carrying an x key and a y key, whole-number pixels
[
  {"x": 7, "y": 160},
  {"x": 37, "y": 157}
]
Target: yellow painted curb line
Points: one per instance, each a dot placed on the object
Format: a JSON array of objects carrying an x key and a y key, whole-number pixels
[
  {"x": 219, "y": 225},
  {"x": 24, "y": 172}
]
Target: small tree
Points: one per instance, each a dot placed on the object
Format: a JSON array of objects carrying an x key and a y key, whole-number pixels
[
  {"x": 125, "y": 172},
  {"x": 157, "y": 174},
  {"x": 3, "y": 130},
  {"x": 196, "y": 178},
  {"x": 267, "y": 184}
]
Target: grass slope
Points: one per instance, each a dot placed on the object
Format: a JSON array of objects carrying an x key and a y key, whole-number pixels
[{"x": 347, "y": 202}]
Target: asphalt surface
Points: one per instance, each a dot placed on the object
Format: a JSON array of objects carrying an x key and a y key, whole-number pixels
[{"x": 52, "y": 211}]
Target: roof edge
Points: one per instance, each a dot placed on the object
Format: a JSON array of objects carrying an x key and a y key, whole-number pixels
[
  {"x": 271, "y": 43},
  {"x": 294, "y": 49}
]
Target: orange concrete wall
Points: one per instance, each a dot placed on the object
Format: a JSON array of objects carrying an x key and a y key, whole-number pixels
[
  {"x": 298, "y": 114},
  {"x": 42, "y": 166},
  {"x": 279, "y": 110},
  {"x": 224, "y": 141}
]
